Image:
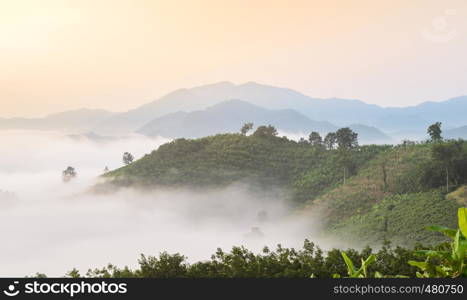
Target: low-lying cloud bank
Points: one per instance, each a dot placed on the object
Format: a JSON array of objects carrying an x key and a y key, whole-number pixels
[{"x": 49, "y": 226}]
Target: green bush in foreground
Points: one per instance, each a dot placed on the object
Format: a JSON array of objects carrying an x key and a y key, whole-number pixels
[
  {"x": 448, "y": 261},
  {"x": 452, "y": 256},
  {"x": 278, "y": 263}
]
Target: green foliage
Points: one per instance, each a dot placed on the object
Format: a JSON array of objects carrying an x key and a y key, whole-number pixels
[
  {"x": 166, "y": 266},
  {"x": 462, "y": 216},
  {"x": 330, "y": 140},
  {"x": 346, "y": 138},
  {"x": 450, "y": 261},
  {"x": 218, "y": 160},
  {"x": 246, "y": 127},
  {"x": 449, "y": 158},
  {"x": 74, "y": 273},
  {"x": 390, "y": 198},
  {"x": 401, "y": 219},
  {"x": 327, "y": 173},
  {"x": 265, "y": 131},
  {"x": 224, "y": 159},
  {"x": 434, "y": 131},
  {"x": 315, "y": 139},
  {"x": 128, "y": 158},
  {"x": 384, "y": 171},
  {"x": 361, "y": 272},
  {"x": 279, "y": 263}
]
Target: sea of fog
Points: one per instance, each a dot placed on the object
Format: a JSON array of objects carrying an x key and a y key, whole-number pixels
[{"x": 50, "y": 227}]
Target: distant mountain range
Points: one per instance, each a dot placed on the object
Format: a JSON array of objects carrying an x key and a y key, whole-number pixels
[
  {"x": 73, "y": 121},
  {"x": 336, "y": 111},
  {"x": 175, "y": 114},
  {"x": 456, "y": 133},
  {"x": 199, "y": 98},
  {"x": 229, "y": 116}
]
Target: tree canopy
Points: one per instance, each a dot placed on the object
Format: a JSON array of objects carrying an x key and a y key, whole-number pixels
[
  {"x": 128, "y": 158},
  {"x": 434, "y": 130},
  {"x": 68, "y": 174},
  {"x": 315, "y": 139},
  {"x": 346, "y": 138},
  {"x": 265, "y": 131},
  {"x": 246, "y": 127},
  {"x": 330, "y": 140}
]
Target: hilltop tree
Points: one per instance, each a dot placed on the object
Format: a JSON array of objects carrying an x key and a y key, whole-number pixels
[
  {"x": 315, "y": 139},
  {"x": 68, "y": 174},
  {"x": 330, "y": 140},
  {"x": 434, "y": 130},
  {"x": 128, "y": 158},
  {"x": 346, "y": 138},
  {"x": 246, "y": 127},
  {"x": 265, "y": 131}
]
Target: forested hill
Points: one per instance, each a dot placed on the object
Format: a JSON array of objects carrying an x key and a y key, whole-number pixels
[
  {"x": 261, "y": 158},
  {"x": 366, "y": 193}
]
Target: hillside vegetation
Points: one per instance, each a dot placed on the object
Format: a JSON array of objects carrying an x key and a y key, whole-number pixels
[
  {"x": 365, "y": 194},
  {"x": 395, "y": 197},
  {"x": 227, "y": 158}
]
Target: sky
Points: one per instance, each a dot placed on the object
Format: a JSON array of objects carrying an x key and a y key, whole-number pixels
[{"x": 57, "y": 55}]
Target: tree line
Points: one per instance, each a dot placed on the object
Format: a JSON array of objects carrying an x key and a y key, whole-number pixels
[{"x": 344, "y": 138}]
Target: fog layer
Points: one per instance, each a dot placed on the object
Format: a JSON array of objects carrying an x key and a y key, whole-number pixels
[{"x": 49, "y": 226}]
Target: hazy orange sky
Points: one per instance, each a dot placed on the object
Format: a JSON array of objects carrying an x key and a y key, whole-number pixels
[{"x": 117, "y": 54}]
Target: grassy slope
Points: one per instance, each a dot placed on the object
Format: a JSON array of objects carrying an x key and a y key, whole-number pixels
[
  {"x": 367, "y": 187},
  {"x": 366, "y": 210},
  {"x": 402, "y": 219}
]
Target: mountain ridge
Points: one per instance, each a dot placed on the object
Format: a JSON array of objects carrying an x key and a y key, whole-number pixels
[
  {"x": 229, "y": 116},
  {"x": 334, "y": 110},
  {"x": 74, "y": 120}
]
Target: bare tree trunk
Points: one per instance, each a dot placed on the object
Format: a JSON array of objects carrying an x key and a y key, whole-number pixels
[
  {"x": 447, "y": 180},
  {"x": 344, "y": 175}
]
